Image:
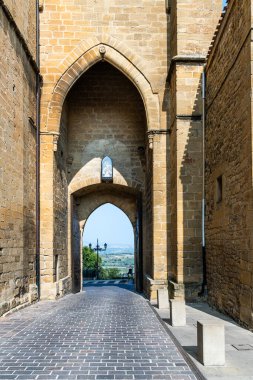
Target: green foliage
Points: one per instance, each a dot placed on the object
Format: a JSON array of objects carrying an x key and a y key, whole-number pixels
[
  {"x": 109, "y": 273},
  {"x": 112, "y": 267},
  {"x": 90, "y": 259}
]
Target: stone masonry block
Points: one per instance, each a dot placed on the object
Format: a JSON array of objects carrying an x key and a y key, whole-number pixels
[
  {"x": 177, "y": 313},
  {"x": 162, "y": 298},
  {"x": 211, "y": 342}
]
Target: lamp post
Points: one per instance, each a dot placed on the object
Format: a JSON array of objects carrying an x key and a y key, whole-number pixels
[{"x": 98, "y": 249}]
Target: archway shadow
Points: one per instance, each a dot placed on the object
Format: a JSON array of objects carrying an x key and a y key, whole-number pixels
[
  {"x": 192, "y": 351},
  {"x": 191, "y": 177}
]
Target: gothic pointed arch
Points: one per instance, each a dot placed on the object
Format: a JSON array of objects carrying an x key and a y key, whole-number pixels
[
  {"x": 82, "y": 64},
  {"x": 83, "y": 181},
  {"x": 116, "y": 44},
  {"x": 89, "y": 205}
]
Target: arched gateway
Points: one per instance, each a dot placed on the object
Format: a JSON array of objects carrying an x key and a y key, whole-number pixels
[
  {"x": 102, "y": 105},
  {"x": 120, "y": 232},
  {"x": 120, "y": 80}
]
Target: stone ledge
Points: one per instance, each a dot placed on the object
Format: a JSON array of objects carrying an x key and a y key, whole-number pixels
[
  {"x": 152, "y": 285},
  {"x": 188, "y": 291},
  {"x": 54, "y": 290}
]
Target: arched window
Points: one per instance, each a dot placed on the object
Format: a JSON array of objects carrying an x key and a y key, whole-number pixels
[{"x": 106, "y": 169}]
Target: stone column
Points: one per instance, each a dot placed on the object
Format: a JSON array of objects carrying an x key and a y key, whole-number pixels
[
  {"x": 158, "y": 143},
  {"x": 186, "y": 184},
  {"x": 189, "y": 47},
  {"x": 82, "y": 224},
  {"x": 48, "y": 289},
  {"x": 55, "y": 260}
]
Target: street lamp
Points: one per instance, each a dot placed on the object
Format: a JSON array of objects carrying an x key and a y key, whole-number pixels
[{"x": 98, "y": 249}]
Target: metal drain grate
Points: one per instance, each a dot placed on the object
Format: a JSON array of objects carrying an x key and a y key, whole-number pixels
[{"x": 243, "y": 347}]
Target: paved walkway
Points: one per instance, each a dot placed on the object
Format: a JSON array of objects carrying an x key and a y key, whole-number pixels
[
  {"x": 104, "y": 282},
  {"x": 106, "y": 332}
]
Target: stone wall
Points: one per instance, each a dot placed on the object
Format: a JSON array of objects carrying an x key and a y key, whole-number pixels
[
  {"x": 141, "y": 25},
  {"x": 17, "y": 154},
  {"x": 194, "y": 24},
  {"x": 24, "y": 15},
  {"x": 229, "y": 237}
]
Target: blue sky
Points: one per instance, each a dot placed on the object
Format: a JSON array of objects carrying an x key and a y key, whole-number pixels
[
  {"x": 110, "y": 225},
  {"x": 224, "y": 2}
]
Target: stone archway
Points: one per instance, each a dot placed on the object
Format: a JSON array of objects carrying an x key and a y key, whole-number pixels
[
  {"x": 67, "y": 169},
  {"x": 81, "y": 64},
  {"x": 86, "y": 201},
  {"x": 120, "y": 197}
]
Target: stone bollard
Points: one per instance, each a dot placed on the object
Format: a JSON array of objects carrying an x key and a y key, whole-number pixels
[
  {"x": 162, "y": 299},
  {"x": 211, "y": 342},
  {"x": 177, "y": 313}
]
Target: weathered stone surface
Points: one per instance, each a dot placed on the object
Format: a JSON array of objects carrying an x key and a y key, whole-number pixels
[
  {"x": 177, "y": 313},
  {"x": 211, "y": 342},
  {"x": 229, "y": 238},
  {"x": 17, "y": 159},
  {"x": 162, "y": 299},
  {"x": 23, "y": 13},
  {"x": 192, "y": 28}
]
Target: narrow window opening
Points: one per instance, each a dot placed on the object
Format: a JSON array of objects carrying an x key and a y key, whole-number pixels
[
  {"x": 219, "y": 189},
  {"x": 168, "y": 6}
]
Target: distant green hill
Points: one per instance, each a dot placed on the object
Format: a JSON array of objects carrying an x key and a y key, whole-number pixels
[
  {"x": 118, "y": 250},
  {"x": 122, "y": 261}
]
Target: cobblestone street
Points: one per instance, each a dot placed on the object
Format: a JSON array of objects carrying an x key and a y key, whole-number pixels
[{"x": 106, "y": 332}]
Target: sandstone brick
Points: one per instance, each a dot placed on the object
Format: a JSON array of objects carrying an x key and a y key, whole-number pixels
[
  {"x": 17, "y": 156},
  {"x": 228, "y": 148}
]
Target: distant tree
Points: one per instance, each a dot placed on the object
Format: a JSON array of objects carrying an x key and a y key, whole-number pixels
[
  {"x": 114, "y": 273},
  {"x": 90, "y": 259},
  {"x": 110, "y": 273}
]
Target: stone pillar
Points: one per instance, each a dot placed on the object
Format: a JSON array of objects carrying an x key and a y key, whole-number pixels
[
  {"x": 70, "y": 231},
  {"x": 186, "y": 198},
  {"x": 48, "y": 289},
  {"x": 158, "y": 143},
  {"x": 82, "y": 224},
  {"x": 54, "y": 281},
  {"x": 187, "y": 57}
]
